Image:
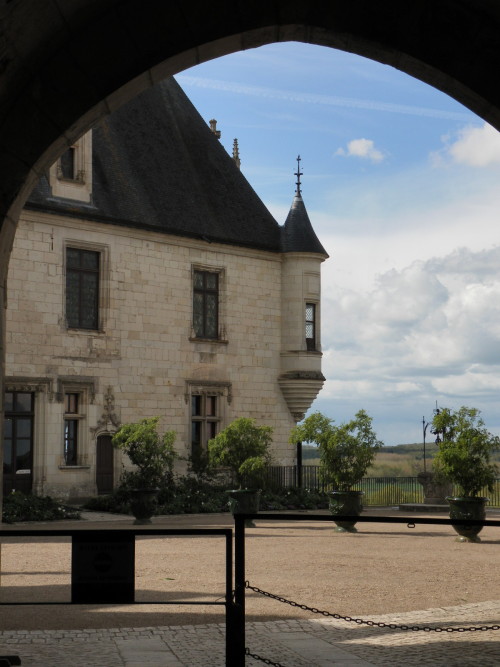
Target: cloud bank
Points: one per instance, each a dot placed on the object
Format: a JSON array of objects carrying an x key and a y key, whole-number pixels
[{"x": 429, "y": 330}]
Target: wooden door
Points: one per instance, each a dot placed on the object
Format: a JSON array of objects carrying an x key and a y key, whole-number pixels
[{"x": 104, "y": 464}]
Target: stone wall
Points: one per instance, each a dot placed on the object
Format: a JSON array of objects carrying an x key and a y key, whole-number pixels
[{"x": 144, "y": 361}]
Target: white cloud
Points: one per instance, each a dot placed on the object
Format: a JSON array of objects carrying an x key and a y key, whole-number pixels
[
  {"x": 363, "y": 148},
  {"x": 475, "y": 147}
]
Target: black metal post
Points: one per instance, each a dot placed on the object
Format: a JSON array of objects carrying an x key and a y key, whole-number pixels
[
  {"x": 238, "y": 623},
  {"x": 424, "y": 428},
  {"x": 299, "y": 465},
  {"x": 231, "y": 609}
]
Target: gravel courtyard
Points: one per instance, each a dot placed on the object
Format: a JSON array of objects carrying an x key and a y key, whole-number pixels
[{"x": 382, "y": 569}]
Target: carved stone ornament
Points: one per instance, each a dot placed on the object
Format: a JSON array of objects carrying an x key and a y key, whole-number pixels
[
  {"x": 200, "y": 387},
  {"x": 109, "y": 420}
]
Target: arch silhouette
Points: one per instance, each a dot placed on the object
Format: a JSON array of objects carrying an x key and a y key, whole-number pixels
[{"x": 65, "y": 64}]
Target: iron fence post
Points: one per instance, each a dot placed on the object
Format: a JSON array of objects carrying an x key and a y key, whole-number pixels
[
  {"x": 299, "y": 465},
  {"x": 237, "y": 639}
]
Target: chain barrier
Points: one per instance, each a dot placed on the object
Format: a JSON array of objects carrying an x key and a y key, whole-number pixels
[
  {"x": 360, "y": 621},
  {"x": 266, "y": 661}
]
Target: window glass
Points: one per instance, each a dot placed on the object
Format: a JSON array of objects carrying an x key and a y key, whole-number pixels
[
  {"x": 206, "y": 304},
  {"x": 73, "y": 258},
  {"x": 23, "y": 454},
  {"x": 23, "y": 429},
  {"x": 23, "y": 402},
  {"x": 70, "y": 441},
  {"x": 204, "y": 421},
  {"x": 310, "y": 326},
  {"x": 18, "y": 434},
  {"x": 9, "y": 401},
  {"x": 196, "y": 405},
  {"x": 7, "y": 457},
  {"x": 71, "y": 403},
  {"x": 67, "y": 162},
  {"x": 211, "y": 316},
  {"x": 198, "y": 280},
  {"x": 82, "y": 288},
  {"x": 211, "y": 406},
  {"x": 211, "y": 280}
]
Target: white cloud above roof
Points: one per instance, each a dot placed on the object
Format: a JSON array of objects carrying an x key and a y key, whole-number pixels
[{"x": 362, "y": 148}]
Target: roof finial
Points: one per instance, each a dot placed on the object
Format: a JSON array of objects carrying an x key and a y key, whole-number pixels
[
  {"x": 236, "y": 153},
  {"x": 298, "y": 173},
  {"x": 213, "y": 127}
]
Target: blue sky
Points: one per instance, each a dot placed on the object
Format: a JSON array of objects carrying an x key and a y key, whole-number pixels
[{"x": 401, "y": 185}]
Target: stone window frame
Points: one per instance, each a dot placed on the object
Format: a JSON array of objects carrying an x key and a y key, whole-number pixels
[
  {"x": 104, "y": 283},
  {"x": 86, "y": 390},
  {"x": 222, "y": 297},
  {"x": 42, "y": 387},
  {"x": 222, "y": 390}
]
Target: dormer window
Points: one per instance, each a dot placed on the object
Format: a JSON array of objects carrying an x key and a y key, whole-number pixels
[{"x": 71, "y": 176}]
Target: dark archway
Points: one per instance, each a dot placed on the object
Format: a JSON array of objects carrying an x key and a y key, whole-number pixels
[{"x": 66, "y": 63}]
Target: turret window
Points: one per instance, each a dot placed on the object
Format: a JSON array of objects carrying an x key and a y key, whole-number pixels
[{"x": 310, "y": 326}]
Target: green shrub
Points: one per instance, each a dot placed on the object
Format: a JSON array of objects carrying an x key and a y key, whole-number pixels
[
  {"x": 20, "y": 507},
  {"x": 293, "y": 499}
]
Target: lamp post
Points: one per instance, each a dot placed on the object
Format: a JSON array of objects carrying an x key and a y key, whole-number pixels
[{"x": 425, "y": 426}]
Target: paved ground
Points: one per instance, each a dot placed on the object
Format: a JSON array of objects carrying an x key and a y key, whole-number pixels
[{"x": 299, "y": 641}]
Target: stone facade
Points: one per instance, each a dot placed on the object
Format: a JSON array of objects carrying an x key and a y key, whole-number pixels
[{"x": 143, "y": 358}]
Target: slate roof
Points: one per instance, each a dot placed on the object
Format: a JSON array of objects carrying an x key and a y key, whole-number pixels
[
  {"x": 157, "y": 166},
  {"x": 298, "y": 235}
]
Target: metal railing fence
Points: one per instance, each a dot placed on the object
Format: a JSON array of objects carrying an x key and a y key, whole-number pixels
[{"x": 382, "y": 491}]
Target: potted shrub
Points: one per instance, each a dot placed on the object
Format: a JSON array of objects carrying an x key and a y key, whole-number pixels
[
  {"x": 153, "y": 455},
  {"x": 346, "y": 452},
  {"x": 243, "y": 447},
  {"x": 464, "y": 458}
]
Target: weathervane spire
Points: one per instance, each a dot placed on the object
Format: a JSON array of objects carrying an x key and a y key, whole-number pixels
[{"x": 298, "y": 173}]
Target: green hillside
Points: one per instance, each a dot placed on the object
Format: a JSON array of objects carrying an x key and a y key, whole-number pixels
[{"x": 396, "y": 461}]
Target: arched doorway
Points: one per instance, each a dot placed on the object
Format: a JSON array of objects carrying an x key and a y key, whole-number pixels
[
  {"x": 54, "y": 84},
  {"x": 104, "y": 471}
]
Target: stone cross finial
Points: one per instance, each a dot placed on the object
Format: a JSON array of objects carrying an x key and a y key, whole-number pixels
[
  {"x": 236, "y": 153},
  {"x": 298, "y": 173}
]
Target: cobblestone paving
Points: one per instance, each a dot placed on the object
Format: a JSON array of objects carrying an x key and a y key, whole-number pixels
[{"x": 293, "y": 643}]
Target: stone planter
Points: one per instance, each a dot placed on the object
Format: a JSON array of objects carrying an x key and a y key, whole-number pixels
[
  {"x": 244, "y": 501},
  {"x": 435, "y": 491},
  {"x": 467, "y": 508},
  {"x": 348, "y": 503},
  {"x": 143, "y": 505}
]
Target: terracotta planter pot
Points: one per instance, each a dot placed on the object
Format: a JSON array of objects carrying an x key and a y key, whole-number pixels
[
  {"x": 347, "y": 503},
  {"x": 467, "y": 508}
]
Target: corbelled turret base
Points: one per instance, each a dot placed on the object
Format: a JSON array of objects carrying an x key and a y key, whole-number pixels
[{"x": 300, "y": 388}]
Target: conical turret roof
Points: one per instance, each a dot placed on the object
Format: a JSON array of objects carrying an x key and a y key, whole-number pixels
[{"x": 298, "y": 234}]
